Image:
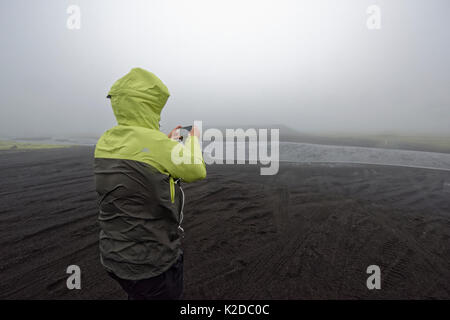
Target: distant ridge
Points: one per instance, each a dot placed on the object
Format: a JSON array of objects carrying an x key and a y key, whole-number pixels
[{"x": 385, "y": 141}]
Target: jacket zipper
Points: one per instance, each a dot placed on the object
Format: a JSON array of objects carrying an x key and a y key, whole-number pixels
[{"x": 172, "y": 199}]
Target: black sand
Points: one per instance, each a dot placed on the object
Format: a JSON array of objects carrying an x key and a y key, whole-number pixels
[{"x": 308, "y": 232}]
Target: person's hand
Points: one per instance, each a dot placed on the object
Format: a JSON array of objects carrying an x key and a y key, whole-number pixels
[
  {"x": 195, "y": 132},
  {"x": 175, "y": 133}
]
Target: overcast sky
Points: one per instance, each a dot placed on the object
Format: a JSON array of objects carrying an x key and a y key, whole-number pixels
[{"x": 312, "y": 65}]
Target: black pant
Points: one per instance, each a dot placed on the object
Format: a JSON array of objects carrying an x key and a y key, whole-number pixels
[{"x": 166, "y": 286}]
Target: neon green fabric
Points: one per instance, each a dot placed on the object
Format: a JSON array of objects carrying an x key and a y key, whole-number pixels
[
  {"x": 172, "y": 190},
  {"x": 137, "y": 100}
]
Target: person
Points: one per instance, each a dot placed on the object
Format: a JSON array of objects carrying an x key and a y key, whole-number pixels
[{"x": 139, "y": 190}]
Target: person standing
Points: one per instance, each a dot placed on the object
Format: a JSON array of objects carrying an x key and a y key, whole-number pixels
[{"x": 139, "y": 190}]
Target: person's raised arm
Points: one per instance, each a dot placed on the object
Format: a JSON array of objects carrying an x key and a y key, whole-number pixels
[{"x": 185, "y": 161}]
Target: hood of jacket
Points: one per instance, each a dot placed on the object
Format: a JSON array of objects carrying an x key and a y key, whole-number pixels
[{"x": 138, "y": 98}]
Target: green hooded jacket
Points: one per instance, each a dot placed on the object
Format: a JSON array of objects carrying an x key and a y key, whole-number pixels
[{"x": 138, "y": 174}]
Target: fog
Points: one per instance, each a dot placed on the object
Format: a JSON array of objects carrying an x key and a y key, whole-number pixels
[{"x": 312, "y": 65}]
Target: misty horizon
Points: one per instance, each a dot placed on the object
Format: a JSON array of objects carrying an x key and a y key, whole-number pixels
[{"x": 312, "y": 66}]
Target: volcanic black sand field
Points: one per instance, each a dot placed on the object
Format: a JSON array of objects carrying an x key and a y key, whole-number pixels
[{"x": 308, "y": 232}]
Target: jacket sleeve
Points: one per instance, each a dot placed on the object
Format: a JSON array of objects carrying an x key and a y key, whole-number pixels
[{"x": 185, "y": 161}]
